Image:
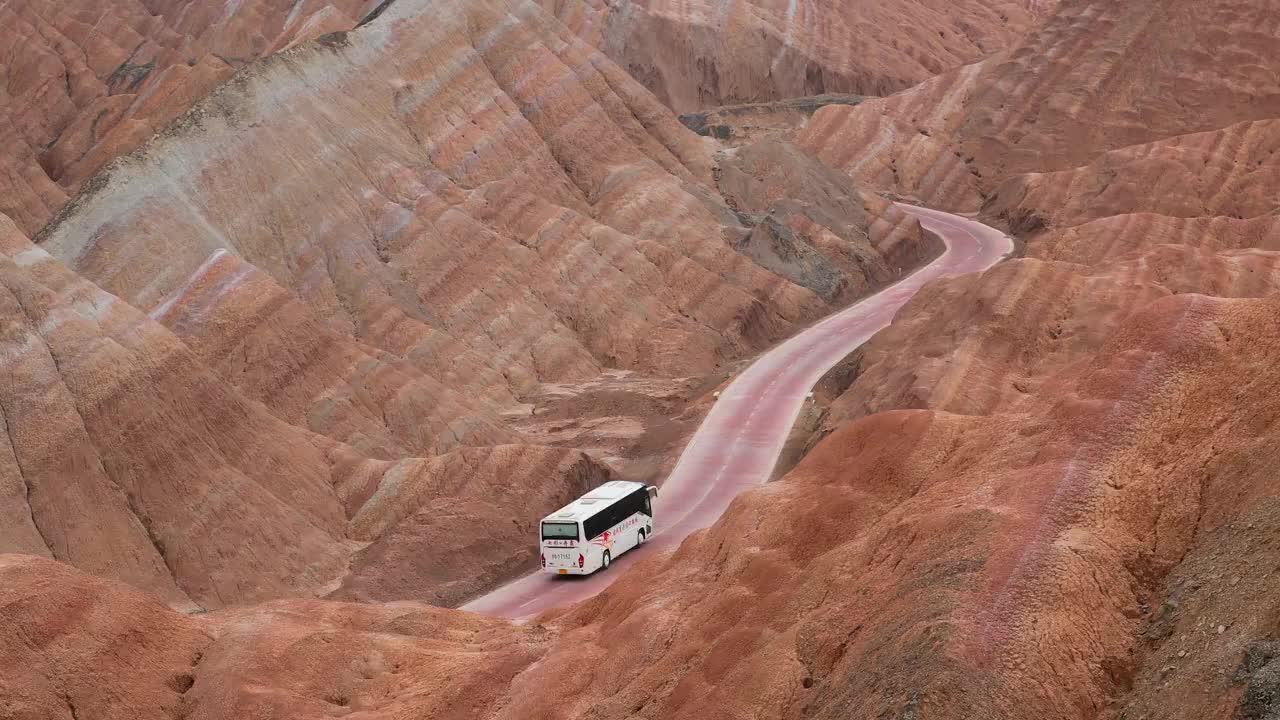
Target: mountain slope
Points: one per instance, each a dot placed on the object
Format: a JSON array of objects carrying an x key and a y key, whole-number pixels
[
  {"x": 87, "y": 82},
  {"x": 470, "y": 191},
  {"x": 1094, "y": 77},
  {"x": 127, "y": 457},
  {"x": 696, "y": 55}
]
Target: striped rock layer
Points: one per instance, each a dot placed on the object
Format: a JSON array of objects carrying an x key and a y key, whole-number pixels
[
  {"x": 700, "y": 54},
  {"x": 85, "y": 82}
]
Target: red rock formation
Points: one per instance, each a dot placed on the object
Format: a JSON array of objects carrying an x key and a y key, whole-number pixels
[
  {"x": 993, "y": 566},
  {"x": 89, "y": 81},
  {"x": 443, "y": 531},
  {"x": 696, "y": 55},
  {"x": 126, "y": 456},
  {"x": 532, "y": 215},
  {"x": 311, "y": 278},
  {"x": 1049, "y": 492},
  {"x": 1232, "y": 172},
  {"x": 984, "y": 344},
  {"x": 77, "y": 646},
  {"x": 1094, "y": 77},
  {"x": 276, "y": 350}
]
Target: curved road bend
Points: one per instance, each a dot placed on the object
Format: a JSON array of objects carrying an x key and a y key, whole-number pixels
[{"x": 742, "y": 436}]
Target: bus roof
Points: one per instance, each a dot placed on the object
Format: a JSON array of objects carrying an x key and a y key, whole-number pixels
[{"x": 591, "y": 503}]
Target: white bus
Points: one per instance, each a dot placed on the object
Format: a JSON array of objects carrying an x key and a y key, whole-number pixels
[{"x": 585, "y": 535}]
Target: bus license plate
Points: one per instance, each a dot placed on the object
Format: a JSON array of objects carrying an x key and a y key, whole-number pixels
[{"x": 563, "y": 571}]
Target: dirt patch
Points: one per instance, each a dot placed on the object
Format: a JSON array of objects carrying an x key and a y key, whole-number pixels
[{"x": 636, "y": 424}]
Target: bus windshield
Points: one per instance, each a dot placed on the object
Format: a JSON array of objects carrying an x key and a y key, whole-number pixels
[{"x": 559, "y": 531}]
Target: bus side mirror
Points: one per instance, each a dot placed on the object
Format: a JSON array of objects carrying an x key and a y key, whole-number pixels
[{"x": 653, "y": 491}]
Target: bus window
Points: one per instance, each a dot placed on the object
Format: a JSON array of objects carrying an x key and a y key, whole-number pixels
[{"x": 560, "y": 531}]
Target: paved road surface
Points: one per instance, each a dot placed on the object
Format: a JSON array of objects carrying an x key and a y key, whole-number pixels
[{"x": 738, "y": 443}]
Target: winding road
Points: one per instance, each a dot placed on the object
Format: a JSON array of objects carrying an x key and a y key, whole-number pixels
[{"x": 739, "y": 442}]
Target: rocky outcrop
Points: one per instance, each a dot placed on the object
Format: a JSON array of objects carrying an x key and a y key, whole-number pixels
[{"x": 812, "y": 226}]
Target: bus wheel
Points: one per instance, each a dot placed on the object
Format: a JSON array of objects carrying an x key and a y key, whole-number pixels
[
  {"x": 605, "y": 566},
  {"x": 641, "y": 540}
]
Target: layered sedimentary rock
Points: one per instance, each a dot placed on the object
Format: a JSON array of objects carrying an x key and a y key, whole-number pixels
[
  {"x": 814, "y": 227},
  {"x": 1094, "y": 77},
  {"x": 1232, "y": 172},
  {"x": 135, "y": 462},
  {"x": 470, "y": 196},
  {"x": 126, "y": 456},
  {"x": 444, "y": 530},
  {"x": 696, "y": 55},
  {"x": 276, "y": 350},
  {"x": 1048, "y": 492},
  {"x": 950, "y": 565},
  {"x": 737, "y": 125},
  {"x": 86, "y": 82},
  {"x": 74, "y": 645},
  {"x": 986, "y": 343},
  {"x": 318, "y": 291}
]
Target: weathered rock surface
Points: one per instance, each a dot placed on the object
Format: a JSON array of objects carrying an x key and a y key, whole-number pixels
[
  {"x": 126, "y": 456},
  {"x": 1048, "y": 492},
  {"x": 86, "y": 82},
  {"x": 248, "y": 359},
  {"x": 985, "y": 343},
  {"x": 696, "y": 55},
  {"x": 1233, "y": 172},
  {"x": 76, "y": 646},
  {"x": 531, "y": 215},
  {"x": 276, "y": 350},
  {"x": 1096, "y": 76},
  {"x": 737, "y": 125},
  {"x": 446, "y": 529},
  {"x": 140, "y": 464},
  {"x": 951, "y": 565}
]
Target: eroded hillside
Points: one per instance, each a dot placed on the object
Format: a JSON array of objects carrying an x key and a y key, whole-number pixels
[
  {"x": 1047, "y": 491},
  {"x": 530, "y": 215},
  {"x": 127, "y": 457},
  {"x": 1094, "y": 78},
  {"x": 85, "y": 82},
  {"x": 305, "y": 340},
  {"x": 696, "y": 55}
]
